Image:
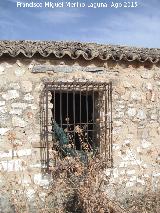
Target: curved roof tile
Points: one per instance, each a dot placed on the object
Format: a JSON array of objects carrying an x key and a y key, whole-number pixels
[{"x": 74, "y": 50}]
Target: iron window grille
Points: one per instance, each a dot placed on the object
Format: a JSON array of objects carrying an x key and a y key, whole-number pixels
[{"x": 83, "y": 110}]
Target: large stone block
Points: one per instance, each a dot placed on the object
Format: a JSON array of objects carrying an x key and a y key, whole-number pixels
[
  {"x": 146, "y": 74},
  {"x": 19, "y": 122},
  {"x": 11, "y": 94},
  {"x": 14, "y": 85},
  {"x": 131, "y": 112},
  {"x": 2, "y": 103},
  {"x": 147, "y": 86},
  {"x": 3, "y": 131},
  {"x": 26, "y": 86},
  {"x": 130, "y": 184},
  {"x": 2, "y": 70},
  {"x": 28, "y": 97},
  {"x": 19, "y": 105},
  {"x": 11, "y": 165},
  {"x": 16, "y": 111},
  {"x": 15, "y": 153},
  {"x": 131, "y": 172},
  {"x": 65, "y": 68},
  {"x": 127, "y": 84},
  {"x": 145, "y": 144},
  {"x": 136, "y": 95},
  {"x": 40, "y": 180},
  {"x": 3, "y": 109},
  {"x": 141, "y": 115},
  {"x": 19, "y": 72},
  {"x": 157, "y": 76}
]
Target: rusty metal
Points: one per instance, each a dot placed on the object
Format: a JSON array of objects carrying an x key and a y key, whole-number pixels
[{"x": 91, "y": 111}]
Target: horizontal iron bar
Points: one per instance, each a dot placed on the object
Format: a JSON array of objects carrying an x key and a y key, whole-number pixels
[{"x": 91, "y": 83}]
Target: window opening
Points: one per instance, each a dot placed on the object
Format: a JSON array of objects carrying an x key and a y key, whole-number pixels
[{"x": 77, "y": 117}]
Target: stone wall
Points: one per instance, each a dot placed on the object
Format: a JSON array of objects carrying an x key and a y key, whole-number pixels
[{"x": 136, "y": 120}]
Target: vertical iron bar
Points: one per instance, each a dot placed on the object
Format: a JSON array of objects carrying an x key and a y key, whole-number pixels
[
  {"x": 67, "y": 112},
  {"x": 87, "y": 108},
  {"x": 46, "y": 126},
  {"x": 74, "y": 111},
  {"x": 54, "y": 113},
  {"x": 52, "y": 117},
  {"x": 43, "y": 130},
  {"x": 99, "y": 125},
  {"x": 60, "y": 106},
  {"x": 80, "y": 109},
  {"x": 107, "y": 126},
  {"x": 108, "y": 103},
  {"x": 111, "y": 120},
  {"x": 105, "y": 114},
  {"x": 41, "y": 126},
  {"x": 42, "y": 119},
  {"x": 93, "y": 118}
]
